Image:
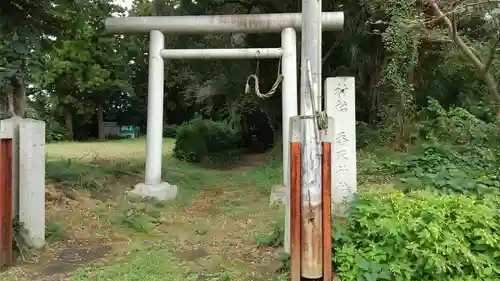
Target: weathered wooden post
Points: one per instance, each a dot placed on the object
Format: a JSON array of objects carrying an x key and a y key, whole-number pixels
[
  {"x": 310, "y": 168},
  {"x": 311, "y": 255}
]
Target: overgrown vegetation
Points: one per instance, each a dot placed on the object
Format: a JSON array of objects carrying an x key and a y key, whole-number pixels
[
  {"x": 435, "y": 216},
  {"x": 459, "y": 155},
  {"x": 418, "y": 236},
  {"x": 200, "y": 138}
]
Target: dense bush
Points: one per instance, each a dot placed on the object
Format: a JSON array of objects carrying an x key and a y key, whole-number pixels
[
  {"x": 170, "y": 131},
  {"x": 461, "y": 155},
  {"x": 448, "y": 169},
  {"x": 199, "y": 138},
  {"x": 457, "y": 126},
  {"x": 418, "y": 236},
  {"x": 54, "y": 131}
]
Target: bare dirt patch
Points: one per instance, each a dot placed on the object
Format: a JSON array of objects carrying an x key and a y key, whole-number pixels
[
  {"x": 211, "y": 240},
  {"x": 205, "y": 203},
  {"x": 70, "y": 258},
  {"x": 83, "y": 237}
]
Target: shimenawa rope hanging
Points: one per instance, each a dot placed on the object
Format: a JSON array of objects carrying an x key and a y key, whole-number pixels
[
  {"x": 321, "y": 118},
  {"x": 255, "y": 77}
]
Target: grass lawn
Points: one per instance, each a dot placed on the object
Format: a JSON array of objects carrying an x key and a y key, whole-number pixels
[{"x": 209, "y": 232}]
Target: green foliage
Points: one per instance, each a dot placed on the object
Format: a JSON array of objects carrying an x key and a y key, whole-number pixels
[
  {"x": 418, "y": 236},
  {"x": 21, "y": 26},
  {"x": 53, "y": 230},
  {"x": 402, "y": 47},
  {"x": 462, "y": 156},
  {"x": 75, "y": 176},
  {"x": 170, "y": 131},
  {"x": 140, "y": 219},
  {"x": 275, "y": 238},
  {"x": 71, "y": 175},
  {"x": 449, "y": 169},
  {"x": 54, "y": 131},
  {"x": 457, "y": 126},
  {"x": 199, "y": 138}
]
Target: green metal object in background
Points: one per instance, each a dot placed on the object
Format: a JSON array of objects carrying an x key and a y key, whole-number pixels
[{"x": 129, "y": 131}]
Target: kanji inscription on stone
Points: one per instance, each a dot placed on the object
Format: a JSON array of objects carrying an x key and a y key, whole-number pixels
[{"x": 340, "y": 105}]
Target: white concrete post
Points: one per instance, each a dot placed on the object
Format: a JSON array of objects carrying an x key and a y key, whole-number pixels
[
  {"x": 32, "y": 181},
  {"x": 289, "y": 107},
  {"x": 289, "y": 92},
  {"x": 153, "y": 186},
  {"x": 340, "y": 104},
  {"x": 154, "y": 143}
]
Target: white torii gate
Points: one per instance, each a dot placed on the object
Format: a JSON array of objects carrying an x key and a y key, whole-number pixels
[{"x": 287, "y": 24}]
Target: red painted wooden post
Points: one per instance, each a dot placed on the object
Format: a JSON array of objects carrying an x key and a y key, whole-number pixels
[
  {"x": 5, "y": 202},
  {"x": 327, "y": 211},
  {"x": 295, "y": 212}
]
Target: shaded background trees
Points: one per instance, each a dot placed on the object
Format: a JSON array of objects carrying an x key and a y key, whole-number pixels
[{"x": 402, "y": 53}]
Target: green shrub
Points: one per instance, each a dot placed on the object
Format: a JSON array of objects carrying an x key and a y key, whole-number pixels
[
  {"x": 457, "y": 126},
  {"x": 137, "y": 219},
  {"x": 449, "y": 169},
  {"x": 199, "y": 138},
  {"x": 461, "y": 154},
  {"x": 170, "y": 131},
  {"x": 418, "y": 236},
  {"x": 54, "y": 131}
]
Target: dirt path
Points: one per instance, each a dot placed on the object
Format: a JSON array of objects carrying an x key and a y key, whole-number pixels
[{"x": 216, "y": 232}]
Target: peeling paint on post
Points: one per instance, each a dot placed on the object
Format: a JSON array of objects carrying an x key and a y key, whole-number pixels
[{"x": 310, "y": 104}]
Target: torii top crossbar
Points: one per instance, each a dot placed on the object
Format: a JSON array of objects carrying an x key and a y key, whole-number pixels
[{"x": 253, "y": 23}]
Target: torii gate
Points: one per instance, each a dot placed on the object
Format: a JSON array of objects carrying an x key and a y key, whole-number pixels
[{"x": 287, "y": 24}]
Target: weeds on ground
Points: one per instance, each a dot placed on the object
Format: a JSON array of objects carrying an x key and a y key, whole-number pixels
[
  {"x": 141, "y": 216},
  {"x": 273, "y": 239}
]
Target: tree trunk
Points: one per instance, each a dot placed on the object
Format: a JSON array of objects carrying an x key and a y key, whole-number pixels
[
  {"x": 100, "y": 121},
  {"x": 68, "y": 121},
  {"x": 374, "y": 79},
  {"x": 482, "y": 66},
  {"x": 16, "y": 97},
  {"x": 20, "y": 98},
  {"x": 492, "y": 85}
]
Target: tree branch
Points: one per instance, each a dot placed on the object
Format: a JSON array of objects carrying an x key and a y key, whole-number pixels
[
  {"x": 489, "y": 62},
  {"x": 454, "y": 35},
  {"x": 452, "y": 11},
  {"x": 330, "y": 51},
  {"x": 487, "y": 76}
]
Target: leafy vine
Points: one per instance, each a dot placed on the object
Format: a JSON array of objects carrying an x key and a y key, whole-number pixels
[{"x": 402, "y": 48}]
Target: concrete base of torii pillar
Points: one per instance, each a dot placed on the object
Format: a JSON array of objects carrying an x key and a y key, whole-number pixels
[{"x": 161, "y": 191}]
